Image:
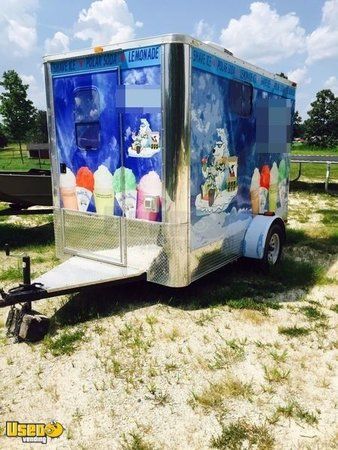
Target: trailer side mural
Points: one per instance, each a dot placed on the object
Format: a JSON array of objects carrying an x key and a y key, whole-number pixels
[
  {"x": 108, "y": 138},
  {"x": 240, "y": 134}
]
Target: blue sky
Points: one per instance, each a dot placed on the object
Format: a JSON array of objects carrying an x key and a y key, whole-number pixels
[{"x": 298, "y": 37}]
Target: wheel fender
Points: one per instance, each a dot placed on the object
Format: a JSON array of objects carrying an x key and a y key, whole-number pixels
[{"x": 255, "y": 236}]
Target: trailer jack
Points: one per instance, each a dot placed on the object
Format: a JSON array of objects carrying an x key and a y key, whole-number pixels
[{"x": 22, "y": 322}]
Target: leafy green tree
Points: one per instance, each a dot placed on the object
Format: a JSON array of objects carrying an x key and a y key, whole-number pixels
[
  {"x": 39, "y": 133},
  {"x": 16, "y": 109},
  {"x": 321, "y": 128},
  {"x": 298, "y": 126},
  {"x": 3, "y": 137}
]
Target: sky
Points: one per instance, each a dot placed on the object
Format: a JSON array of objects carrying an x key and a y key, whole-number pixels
[{"x": 297, "y": 37}]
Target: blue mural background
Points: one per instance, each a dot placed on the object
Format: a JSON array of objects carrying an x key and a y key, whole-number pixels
[
  {"x": 211, "y": 110},
  {"x": 109, "y": 151}
]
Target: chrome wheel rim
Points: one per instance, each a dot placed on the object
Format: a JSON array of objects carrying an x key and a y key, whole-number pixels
[{"x": 273, "y": 249}]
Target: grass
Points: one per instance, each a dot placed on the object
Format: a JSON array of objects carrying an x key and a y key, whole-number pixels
[
  {"x": 132, "y": 336},
  {"x": 242, "y": 434},
  {"x": 334, "y": 308},
  {"x": 214, "y": 395},
  {"x": 279, "y": 357},
  {"x": 227, "y": 355},
  {"x": 135, "y": 441},
  {"x": 159, "y": 397},
  {"x": 294, "y": 331},
  {"x": 292, "y": 410},
  {"x": 11, "y": 274},
  {"x": 274, "y": 374},
  {"x": 312, "y": 313},
  {"x": 10, "y": 159},
  {"x": 315, "y": 172},
  {"x": 65, "y": 343},
  {"x": 257, "y": 305}
]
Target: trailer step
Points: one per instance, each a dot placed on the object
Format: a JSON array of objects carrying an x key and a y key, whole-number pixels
[{"x": 78, "y": 272}]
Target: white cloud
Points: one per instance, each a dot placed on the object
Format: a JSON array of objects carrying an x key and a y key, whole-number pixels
[
  {"x": 264, "y": 36},
  {"x": 204, "y": 31},
  {"x": 59, "y": 43},
  {"x": 322, "y": 43},
  {"x": 106, "y": 21},
  {"x": 300, "y": 76},
  {"x": 18, "y": 26},
  {"x": 332, "y": 83}
]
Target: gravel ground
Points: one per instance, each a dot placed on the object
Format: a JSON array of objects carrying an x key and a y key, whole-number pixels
[{"x": 151, "y": 375}]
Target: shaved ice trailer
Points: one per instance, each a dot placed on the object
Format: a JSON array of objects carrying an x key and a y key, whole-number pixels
[{"x": 170, "y": 158}]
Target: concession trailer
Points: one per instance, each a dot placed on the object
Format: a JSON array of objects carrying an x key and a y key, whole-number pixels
[{"x": 170, "y": 158}]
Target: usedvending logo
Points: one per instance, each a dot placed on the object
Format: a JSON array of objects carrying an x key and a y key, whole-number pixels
[{"x": 31, "y": 433}]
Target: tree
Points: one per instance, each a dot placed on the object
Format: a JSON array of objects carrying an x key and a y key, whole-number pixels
[
  {"x": 321, "y": 128},
  {"x": 298, "y": 126},
  {"x": 16, "y": 109},
  {"x": 3, "y": 137},
  {"x": 39, "y": 132}
]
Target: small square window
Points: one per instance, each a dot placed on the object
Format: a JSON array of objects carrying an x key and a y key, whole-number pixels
[
  {"x": 88, "y": 135},
  {"x": 240, "y": 98}
]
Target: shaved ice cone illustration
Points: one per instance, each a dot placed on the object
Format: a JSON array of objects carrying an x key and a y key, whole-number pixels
[
  {"x": 264, "y": 188},
  {"x": 254, "y": 191},
  {"x": 84, "y": 188},
  {"x": 67, "y": 190},
  {"x": 273, "y": 187},
  {"x": 149, "y": 197},
  {"x": 282, "y": 184},
  {"x": 124, "y": 185},
  {"x": 103, "y": 191}
]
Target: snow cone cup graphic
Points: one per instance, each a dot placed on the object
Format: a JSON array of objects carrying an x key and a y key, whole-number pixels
[
  {"x": 103, "y": 191},
  {"x": 254, "y": 191},
  {"x": 84, "y": 188},
  {"x": 283, "y": 194},
  {"x": 263, "y": 198},
  {"x": 67, "y": 190},
  {"x": 125, "y": 191},
  {"x": 264, "y": 188},
  {"x": 149, "y": 197},
  {"x": 273, "y": 187},
  {"x": 282, "y": 184}
]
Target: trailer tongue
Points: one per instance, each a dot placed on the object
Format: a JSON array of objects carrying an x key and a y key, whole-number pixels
[{"x": 70, "y": 276}]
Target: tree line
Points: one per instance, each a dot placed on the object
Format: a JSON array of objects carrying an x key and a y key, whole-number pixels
[
  {"x": 321, "y": 127},
  {"x": 22, "y": 122}
]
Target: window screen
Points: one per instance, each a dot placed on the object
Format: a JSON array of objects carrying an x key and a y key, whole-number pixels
[
  {"x": 86, "y": 116},
  {"x": 240, "y": 95}
]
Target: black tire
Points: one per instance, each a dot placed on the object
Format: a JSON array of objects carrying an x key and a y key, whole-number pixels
[{"x": 273, "y": 247}]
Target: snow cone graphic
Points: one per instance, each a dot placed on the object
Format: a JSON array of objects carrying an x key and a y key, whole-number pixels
[
  {"x": 84, "y": 187},
  {"x": 273, "y": 187},
  {"x": 149, "y": 197},
  {"x": 67, "y": 190},
  {"x": 124, "y": 185},
  {"x": 282, "y": 184},
  {"x": 264, "y": 188},
  {"x": 254, "y": 191},
  {"x": 103, "y": 191}
]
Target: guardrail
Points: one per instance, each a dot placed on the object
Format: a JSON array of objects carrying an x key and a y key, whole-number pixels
[{"x": 320, "y": 159}]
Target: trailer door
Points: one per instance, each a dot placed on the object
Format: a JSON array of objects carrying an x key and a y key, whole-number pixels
[{"x": 88, "y": 153}]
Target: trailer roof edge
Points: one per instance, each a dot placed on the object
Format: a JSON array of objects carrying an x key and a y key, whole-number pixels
[{"x": 168, "y": 39}]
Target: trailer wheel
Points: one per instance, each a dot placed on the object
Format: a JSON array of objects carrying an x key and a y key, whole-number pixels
[{"x": 273, "y": 246}]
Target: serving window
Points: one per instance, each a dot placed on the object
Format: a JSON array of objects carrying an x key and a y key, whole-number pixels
[{"x": 86, "y": 117}]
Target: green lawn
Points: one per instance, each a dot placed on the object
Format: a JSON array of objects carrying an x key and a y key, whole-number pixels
[
  {"x": 10, "y": 159},
  {"x": 304, "y": 149},
  {"x": 314, "y": 172}
]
